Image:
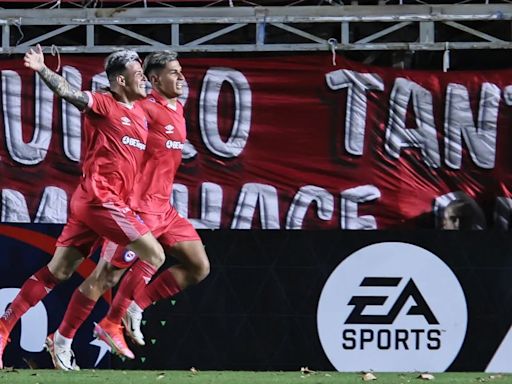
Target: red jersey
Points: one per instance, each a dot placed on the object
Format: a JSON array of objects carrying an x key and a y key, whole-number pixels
[
  {"x": 166, "y": 138},
  {"x": 115, "y": 140}
]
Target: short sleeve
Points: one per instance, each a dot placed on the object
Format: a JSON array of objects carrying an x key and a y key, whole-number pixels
[{"x": 99, "y": 103}]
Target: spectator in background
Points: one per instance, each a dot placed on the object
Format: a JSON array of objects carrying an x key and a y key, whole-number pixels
[{"x": 462, "y": 213}]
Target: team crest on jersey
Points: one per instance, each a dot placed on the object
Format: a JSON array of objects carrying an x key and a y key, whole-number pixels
[
  {"x": 169, "y": 128},
  {"x": 126, "y": 121},
  {"x": 129, "y": 256}
]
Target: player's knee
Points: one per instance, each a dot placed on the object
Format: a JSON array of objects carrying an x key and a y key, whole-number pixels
[
  {"x": 110, "y": 281},
  {"x": 64, "y": 263},
  {"x": 152, "y": 253},
  {"x": 62, "y": 275},
  {"x": 157, "y": 257},
  {"x": 200, "y": 271}
]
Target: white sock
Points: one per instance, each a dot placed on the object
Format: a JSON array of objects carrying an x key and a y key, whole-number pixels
[
  {"x": 61, "y": 341},
  {"x": 134, "y": 308}
]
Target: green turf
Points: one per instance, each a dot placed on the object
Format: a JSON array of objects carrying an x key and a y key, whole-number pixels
[{"x": 228, "y": 377}]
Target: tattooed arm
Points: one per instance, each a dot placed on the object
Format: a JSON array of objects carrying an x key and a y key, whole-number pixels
[{"x": 34, "y": 59}]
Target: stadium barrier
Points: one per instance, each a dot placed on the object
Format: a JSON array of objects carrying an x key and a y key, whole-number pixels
[{"x": 279, "y": 300}]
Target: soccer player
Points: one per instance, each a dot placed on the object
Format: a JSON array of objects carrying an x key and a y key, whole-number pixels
[
  {"x": 115, "y": 134},
  {"x": 150, "y": 198}
]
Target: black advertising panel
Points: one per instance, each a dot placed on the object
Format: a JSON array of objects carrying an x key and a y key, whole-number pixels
[{"x": 279, "y": 300}]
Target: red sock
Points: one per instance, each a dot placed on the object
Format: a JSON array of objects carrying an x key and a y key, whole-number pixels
[
  {"x": 135, "y": 279},
  {"x": 162, "y": 287},
  {"x": 79, "y": 308},
  {"x": 35, "y": 288}
]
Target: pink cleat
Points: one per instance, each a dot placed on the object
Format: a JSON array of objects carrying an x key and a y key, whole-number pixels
[{"x": 112, "y": 334}]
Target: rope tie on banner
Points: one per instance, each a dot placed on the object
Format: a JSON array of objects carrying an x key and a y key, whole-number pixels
[
  {"x": 446, "y": 57},
  {"x": 332, "y": 46},
  {"x": 56, "y": 5},
  {"x": 55, "y": 52},
  {"x": 17, "y": 24}
]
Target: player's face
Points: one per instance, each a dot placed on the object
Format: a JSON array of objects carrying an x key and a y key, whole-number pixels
[
  {"x": 451, "y": 219},
  {"x": 170, "y": 80},
  {"x": 135, "y": 81}
]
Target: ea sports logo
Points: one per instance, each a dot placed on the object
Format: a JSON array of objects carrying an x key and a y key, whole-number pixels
[
  {"x": 129, "y": 256},
  {"x": 392, "y": 307}
]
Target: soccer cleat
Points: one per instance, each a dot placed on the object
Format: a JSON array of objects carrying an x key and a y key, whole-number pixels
[
  {"x": 112, "y": 334},
  {"x": 63, "y": 358},
  {"x": 4, "y": 339},
  {"x": 132, "y": 320}
]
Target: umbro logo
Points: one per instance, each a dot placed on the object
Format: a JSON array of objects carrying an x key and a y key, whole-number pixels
[
  {"x": 126, "y": 121},
  {"x": 169, "y": 129}
]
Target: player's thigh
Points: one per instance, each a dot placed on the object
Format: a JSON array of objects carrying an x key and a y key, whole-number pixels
[
  {"x": 65, "y": 261},
  {"x": 148, "y": 249},
  {"x": 79, "y": 236},
  {"x": 190, "y": 253},
  {"x": 105, "y": 275},
  {"x": 75, "y": 242},
  {"x": 181, "y": 240},
  {"x": 114, "y": 221}
]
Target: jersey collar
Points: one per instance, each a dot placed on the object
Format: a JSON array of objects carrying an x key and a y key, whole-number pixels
[{"x": 160, "y": 99}]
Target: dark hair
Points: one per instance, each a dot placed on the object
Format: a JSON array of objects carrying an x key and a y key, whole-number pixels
[
  {"x": 116, "y": 62},
  {"x": 468, "y": 212},
  {"x": 156, "y": 61}
]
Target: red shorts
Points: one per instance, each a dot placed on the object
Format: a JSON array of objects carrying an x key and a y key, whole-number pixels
[
  {"x": 90, "y": 223},
  {"x": 169, "y": 228}
]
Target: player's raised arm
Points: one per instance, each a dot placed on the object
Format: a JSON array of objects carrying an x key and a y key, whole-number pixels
[{"x": 34, "y": 59}]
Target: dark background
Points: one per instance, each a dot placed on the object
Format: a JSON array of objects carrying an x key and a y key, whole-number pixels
[{"x": 257, "y": 309}]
